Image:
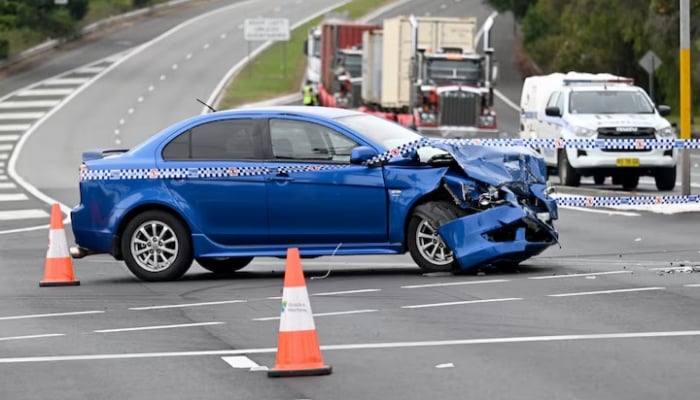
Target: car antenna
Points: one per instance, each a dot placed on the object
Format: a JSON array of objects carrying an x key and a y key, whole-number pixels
[{"x": 207, "y": 105}]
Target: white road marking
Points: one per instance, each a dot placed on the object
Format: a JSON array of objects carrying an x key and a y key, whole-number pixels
[
  {"x": 29, "y": 104},
  {"x": 607, "y": 212},
  {"x": 454, "y": 303},
  {"x": 7, "y": 185},
  {"x": 12, "y": 196},
  {"x": 3, "y": 177},
  {"x": 446, "y": 365},
  {"x": 21, "y": 115},
  {"x": 357, "y": 346},
  {"x": 32, "y": 336},
  {"x": 5, "y": 147},
  {"x": 14, "y": 127},
  {"x": 8, "y": 138},
  {"x": 90, "y": 70},
  {"x": 45, "y": 92},
  {"x": 174, "y": 66},
  {"x": 65, "y": 314},
  {"x": 210, "y": 303},
  {"x": 140, "y": 99},
  {"x": 606, "y": 292},
  {"x": 14, "y": 215},
  {"x": 428, "y": 285},
  {"x": 342, "y": 264},
  {"x": 206, "y": 46},
  {"x": 692, "y": 285},
  {"x": 188, "y": 56},
  {"x": 346, "y": 292},
  {"x": 578, "y": 275},
  {"x": 162, "y": 77},
  {"x": 240, "y": 362},
  {"x": 148, "y": 328},
  {"x": 66, "y": 81},
  {"x": 322, "y": 314}
]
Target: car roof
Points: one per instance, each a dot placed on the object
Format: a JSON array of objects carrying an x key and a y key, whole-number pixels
[{"x": 323, "y": 112}]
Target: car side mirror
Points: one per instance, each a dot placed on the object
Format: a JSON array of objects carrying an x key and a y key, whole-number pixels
[
  {"x": 552, "y": 111},
  {"x": 361, "y": 154},
  {"x": 664, "y": 110}
]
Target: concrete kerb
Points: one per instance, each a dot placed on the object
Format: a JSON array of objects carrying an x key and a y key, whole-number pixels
[{"x": 96, "y": 26}]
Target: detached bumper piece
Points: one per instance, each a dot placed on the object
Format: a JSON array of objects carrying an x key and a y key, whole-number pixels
[{"x": 501, "y": 234}]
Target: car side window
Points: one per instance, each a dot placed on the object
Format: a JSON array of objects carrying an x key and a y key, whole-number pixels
[
  {"x": 299, "y": 140},
  {"x": 560, "y": 103},
  {"x": 552, "y": 102},
  {"x": 225, "y": 140}
]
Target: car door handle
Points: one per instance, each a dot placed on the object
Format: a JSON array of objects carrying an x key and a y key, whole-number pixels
[{"x": 282, "y": 177}]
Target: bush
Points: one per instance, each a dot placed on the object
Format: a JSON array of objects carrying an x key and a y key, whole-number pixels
[{"x": 4, "y": 49}]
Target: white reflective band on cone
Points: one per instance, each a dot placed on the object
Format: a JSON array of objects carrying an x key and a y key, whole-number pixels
[
  {"x": 58, "y": 245},
  {"x": 296, "y": 310}
]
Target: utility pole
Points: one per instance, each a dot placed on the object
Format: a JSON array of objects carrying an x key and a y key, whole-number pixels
[{"x": 686, "y": 111}]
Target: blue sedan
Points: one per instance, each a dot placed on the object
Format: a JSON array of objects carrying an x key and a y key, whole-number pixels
[{"x": 225, "y": 187}]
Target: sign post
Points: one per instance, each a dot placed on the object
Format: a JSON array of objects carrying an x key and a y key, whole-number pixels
[
  {"x": 650, "y": 62},
  {"x": 268, "y": 29}
]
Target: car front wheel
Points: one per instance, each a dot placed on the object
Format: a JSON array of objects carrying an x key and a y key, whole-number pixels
[
  {"x": 222, "y": 265},
  {"x": 426, "y": 246},
  {"x": 156, "y": 246},
  {"x": 568, "y": 175}
]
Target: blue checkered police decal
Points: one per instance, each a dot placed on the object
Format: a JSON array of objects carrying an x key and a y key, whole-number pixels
[
  {"x": 169, "y": 173},
  {"x": 610, "y": 201}
]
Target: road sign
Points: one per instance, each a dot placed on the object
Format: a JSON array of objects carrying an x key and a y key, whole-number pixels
[
  {"x": 650, "y": 61},
  {"x": 264, "y": 29}
]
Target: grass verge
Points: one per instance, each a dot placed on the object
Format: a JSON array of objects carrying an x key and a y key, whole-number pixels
[{"x": 265, "y": 76}]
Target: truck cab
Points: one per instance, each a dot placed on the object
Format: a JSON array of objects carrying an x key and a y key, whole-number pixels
[
  {"x": 312, "y": 50},
  {"x": 348, "y": 77},
  {"x": 598, "y": 106}
]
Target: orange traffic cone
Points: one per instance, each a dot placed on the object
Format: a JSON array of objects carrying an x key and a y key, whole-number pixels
[
  {"x": 58, "y": 269},
  {"x": 298, "y": 351}
]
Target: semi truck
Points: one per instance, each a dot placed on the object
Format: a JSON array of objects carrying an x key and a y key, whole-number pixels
[{"x": 426, "y": 74}]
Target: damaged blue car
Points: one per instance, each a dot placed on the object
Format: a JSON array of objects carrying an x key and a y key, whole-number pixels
[{"x": 225, "y": 187}]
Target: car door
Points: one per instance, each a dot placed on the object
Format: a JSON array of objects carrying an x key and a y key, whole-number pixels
[
  {"x": 217, "y": 179},
  {"x": 550, "y": 127},
  {"x": 314, "y": 194}
]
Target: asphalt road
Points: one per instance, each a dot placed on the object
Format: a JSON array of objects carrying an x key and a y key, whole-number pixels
[{"x": 611, "y": 314}]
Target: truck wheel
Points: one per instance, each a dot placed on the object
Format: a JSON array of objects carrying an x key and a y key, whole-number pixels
[
  {"x": 666, "y": 179},
  {"x": 425, "y": 245},
  {"x": 630, "y": 181},
  {"x": 567, "y": 174},
  {"x": 222, "y": 265},
  {"x": 156, "y": 246}
]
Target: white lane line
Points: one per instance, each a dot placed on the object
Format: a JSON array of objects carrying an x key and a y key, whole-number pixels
[
  {"x": 148, "y": 328},
  {"x": 66, "y": 314},
  {"x": 606, "y": 292},
  {"x": 21, "y": 115},
  {"x": 346, "y": 292},
  {"x": 322, "y": 314},
  {"x": 90, "y": 70},
  {"x": 8, "y": 138},
  {"x": 3, "y": 177},
  {"x": 692, "y": 285},
  {"x": 14, "y": 127},
  {"x": 45, "y": 92},
  {"x": 578, "y": 275},
  {"x": 607, "y": 212},
  {"x": 14, "y": 215},
  {"x": 210, "y": 303},
  {"x": 240, "y": 362},
  {"x": 5, "y": 147},
  {"x": 13, "y": 196},
  {"x": 454, "y": 303},
  {"x": 32, "y": 336},
  {"x": 342, "y": 264},
  {"x": 357, "y": 346},
  {"x": 7, "y": 185},
  {"x": 66, "y": 81},
  {"x": 428, "y": 285},
  {"x": 29, "y": 104}
]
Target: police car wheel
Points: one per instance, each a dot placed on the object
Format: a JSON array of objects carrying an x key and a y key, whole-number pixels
[
  {"x": 156, "y": 246},
  {"x": 425, "y": 245},
  {"x": 630, "y": 182},
  {"x": 567, "y": 174},
  {"x": 666, "y": 179},
  {"x": 599, "y": 179},
  {"x": 222, "y": 265}
]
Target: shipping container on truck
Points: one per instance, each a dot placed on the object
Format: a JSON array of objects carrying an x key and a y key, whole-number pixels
[
  {"x": 449, "y": 90},
  {"x": 340, "y": 42}
]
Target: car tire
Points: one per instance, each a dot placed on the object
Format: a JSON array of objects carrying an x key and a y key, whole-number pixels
[
  {"x": 422, "y": 237},
  {"x": 157, "y": 236},
  {"x": 223, "y": 265},
  {"x": 666, "y": 179},
  {"x": 630, "y": 182},
  {"x": 599, "y": 179},
  {"x": 568, "y": 175}
]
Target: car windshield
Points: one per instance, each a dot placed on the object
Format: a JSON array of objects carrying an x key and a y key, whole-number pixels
[
  {"x": 441, "y": 70},
  {"x": 609, "y": 102},
  {"x": 379, "y": 130}
]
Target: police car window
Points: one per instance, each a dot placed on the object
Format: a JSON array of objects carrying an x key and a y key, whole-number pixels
[
  {"x": 219, "y": 140},
  {"x": 560, "y": 103},
  {"x": 553, "y": 100},
  {"x": 298, "y": 140}
]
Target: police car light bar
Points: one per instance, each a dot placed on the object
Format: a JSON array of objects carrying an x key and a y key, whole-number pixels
[{"x": 628, "y": 81}]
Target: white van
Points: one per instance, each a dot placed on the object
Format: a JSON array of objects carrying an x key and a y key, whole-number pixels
[{"x": 602, "y": 106}]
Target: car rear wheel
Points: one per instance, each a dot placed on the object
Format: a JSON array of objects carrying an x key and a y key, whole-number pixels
[
  {"x": 426, "y": 246},
  {"x": 567, "y": 174},
  {"x": 666, "y": 179},
  {"x": 156, "y": 246},
  {"x": 222, "y": 265},
  {"x": 630, "y": 182}
]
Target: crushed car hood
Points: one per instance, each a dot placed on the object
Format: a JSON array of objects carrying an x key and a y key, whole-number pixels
[{"x": 497, "y": 165}]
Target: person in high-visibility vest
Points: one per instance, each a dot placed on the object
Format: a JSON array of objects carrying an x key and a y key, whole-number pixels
[{"x": 309, "y": 94}]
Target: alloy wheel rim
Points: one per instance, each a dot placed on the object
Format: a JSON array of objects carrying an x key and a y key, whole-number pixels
[
  {"x": 431, "y": 246},
  {"x": 154, "y": 246}
]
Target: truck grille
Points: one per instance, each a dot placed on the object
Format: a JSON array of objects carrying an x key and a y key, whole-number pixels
[
  {"x": 639, "y": 133},
  {"x": 458, "y": 108}
]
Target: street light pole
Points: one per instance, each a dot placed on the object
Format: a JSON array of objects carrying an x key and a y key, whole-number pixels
[{"x": 685, "y": 92}]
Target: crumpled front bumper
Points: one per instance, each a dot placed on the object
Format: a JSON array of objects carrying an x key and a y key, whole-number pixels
[{"x": 468, "y": 237}]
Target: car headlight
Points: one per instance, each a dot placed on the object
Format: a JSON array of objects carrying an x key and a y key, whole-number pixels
[
  {"x": 666, "y": 132},
  {"x": 584, "y": 132}
]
